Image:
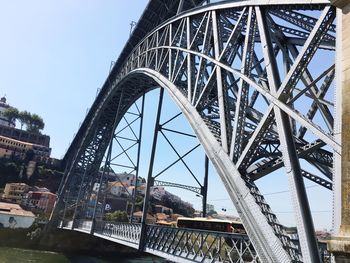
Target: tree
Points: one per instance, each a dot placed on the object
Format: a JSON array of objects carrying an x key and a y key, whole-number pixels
[
  {"x": 36, "y": 123},
  {"x": 11, "y": 114},
  {"x": 33, "y": 122},
  {"x": 117, "y": 216},
  {"x": 24, "y": 118}
]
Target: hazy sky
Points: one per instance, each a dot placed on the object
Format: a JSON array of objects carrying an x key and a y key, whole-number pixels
[{"x": 54, "y": 55}]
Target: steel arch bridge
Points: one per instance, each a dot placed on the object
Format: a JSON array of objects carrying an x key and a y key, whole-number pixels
[{"x": 249, "y": 78}]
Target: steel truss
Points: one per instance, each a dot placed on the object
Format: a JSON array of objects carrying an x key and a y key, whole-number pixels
[{"x": 242, "y": 74}]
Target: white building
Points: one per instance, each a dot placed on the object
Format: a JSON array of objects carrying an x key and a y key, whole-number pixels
[
  {"x": 125, "y": 178},
  {"x": 96, "y": 187},
  {"x": 210, "y": 207},
  {"x": 3, "y": 106},
  {"x": 118, "y": 189},
  {"x": 13, "y": 216},
  {"x": 157, "y": 192}
]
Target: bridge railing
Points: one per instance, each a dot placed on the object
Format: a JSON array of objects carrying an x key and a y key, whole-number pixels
[
  {"x": 173, "y": 243},
  {"x": 129, "y": 232},
  {"x": 199, "y": 245},
  {"x": 82, "y": 224},
  {"x": 66, "y": 223}
]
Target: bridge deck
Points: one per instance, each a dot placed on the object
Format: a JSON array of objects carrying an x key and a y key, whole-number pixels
[{"x": 175, "y": 244}]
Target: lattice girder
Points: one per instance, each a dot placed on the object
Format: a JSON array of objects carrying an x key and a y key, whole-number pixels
[{"x": 217, "y": 63}]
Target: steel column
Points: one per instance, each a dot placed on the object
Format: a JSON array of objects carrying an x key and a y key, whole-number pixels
[
  {"x": 204, "y": 189},
  {"x": 149, "y": 183},
  {"x": 306, "y": 231},
  {"x": 138, "y": 157}
]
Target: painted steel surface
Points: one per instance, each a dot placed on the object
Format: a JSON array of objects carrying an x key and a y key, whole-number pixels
[{"x": 242, "y": 74}]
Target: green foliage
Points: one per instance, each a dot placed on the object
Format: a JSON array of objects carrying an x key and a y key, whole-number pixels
[
  {"x": 178, "y": 207},
  {"x": 24, "y": 117},
  {"x": 33, "y": 122},
  {"x": 29, "y": 155},
  {"x": 11, "y": 114},
  {"x": 42, "y": 176},
  {"x": 139, "y": 203},
  {"x": 117, "y": 216},
  {"x": 9, "y": 172}
]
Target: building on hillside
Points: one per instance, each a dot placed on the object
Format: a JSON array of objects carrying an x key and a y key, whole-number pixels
[
  {"x": 39, "y": 189},
  {"x": 198, "y": 213},
  {"x": 141, "y": 190},
  {"x": 96, "y": 187},
  {"x": 113, "y": 204},
  {"x": 118, "y": 189},
  {"x": 14, "y": 143},
  {"x": 25, "y": 136},
  {"x": 14, "y": 192},
  {"x": 174, "y": 217},
  {"x": 14, "y": 148},
  {"x": 126, "y": 178},
  {"x": 157, "y": 192},
  {"x": 173, "y": 198},
  {"x": 137, "y": 217},
  {"x": 39, "y": 201},
  {"x": 163, "y": 209},
  {"x": 161, "y": 217},
  {"x": 4, "y": 120},
  {"x": 13, "y": 216},
  {"x": 210, "y": 207}
]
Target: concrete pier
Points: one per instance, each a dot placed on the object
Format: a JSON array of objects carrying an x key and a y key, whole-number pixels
[{"x": 340, "y": 242}]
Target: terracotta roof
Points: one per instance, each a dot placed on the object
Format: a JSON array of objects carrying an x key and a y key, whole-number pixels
[
  {"x": 116, "y": 183},
  {"x": 14, "y": 209},
  {"x": 175, "y": 216},
  {"x": 17, "y": 183},
  {"x": 161, "y": 216},
  {"x": 139, "y": 214},
  {"x": 163, "y": 222},
  {"x": 42, "y": 193}
]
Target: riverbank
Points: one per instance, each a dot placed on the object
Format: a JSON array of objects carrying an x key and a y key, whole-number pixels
[
  {"x": 64, "y": 241},
  {"x": 19, "y": 255}
]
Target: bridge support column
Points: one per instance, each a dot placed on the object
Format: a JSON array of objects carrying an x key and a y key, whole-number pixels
[
  {"x": 150, "y": 179},
  {"x": 204, "y": 189},
  {"x": 340, "y": 243}
]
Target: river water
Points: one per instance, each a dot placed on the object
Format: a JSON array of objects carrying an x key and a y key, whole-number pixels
[{"x": 17, "y": 255}]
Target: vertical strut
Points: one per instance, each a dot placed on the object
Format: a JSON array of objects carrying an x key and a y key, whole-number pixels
[
  {"x": 138, "y": 158},
  {"x": 108, "y": 159},
  {"x": 150, "y": 172},
  {"x": 189, "y": 62},
  {"x": 306, "y": 232},
  {"x": 204, "y": 189},
  {"x": 224, "y": 112}
]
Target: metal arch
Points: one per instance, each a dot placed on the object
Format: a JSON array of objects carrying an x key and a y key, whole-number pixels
[
  {"x": 236, "y": 186},
  {"x": 193, "y": 57},
  {"x": 194, "y": 189}
]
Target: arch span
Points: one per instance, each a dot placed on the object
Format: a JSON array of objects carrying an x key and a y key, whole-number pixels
[{"x": 241, "y": 72}]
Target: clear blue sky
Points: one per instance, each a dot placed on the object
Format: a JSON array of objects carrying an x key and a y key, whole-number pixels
[{"x": 54, "y": 55}]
